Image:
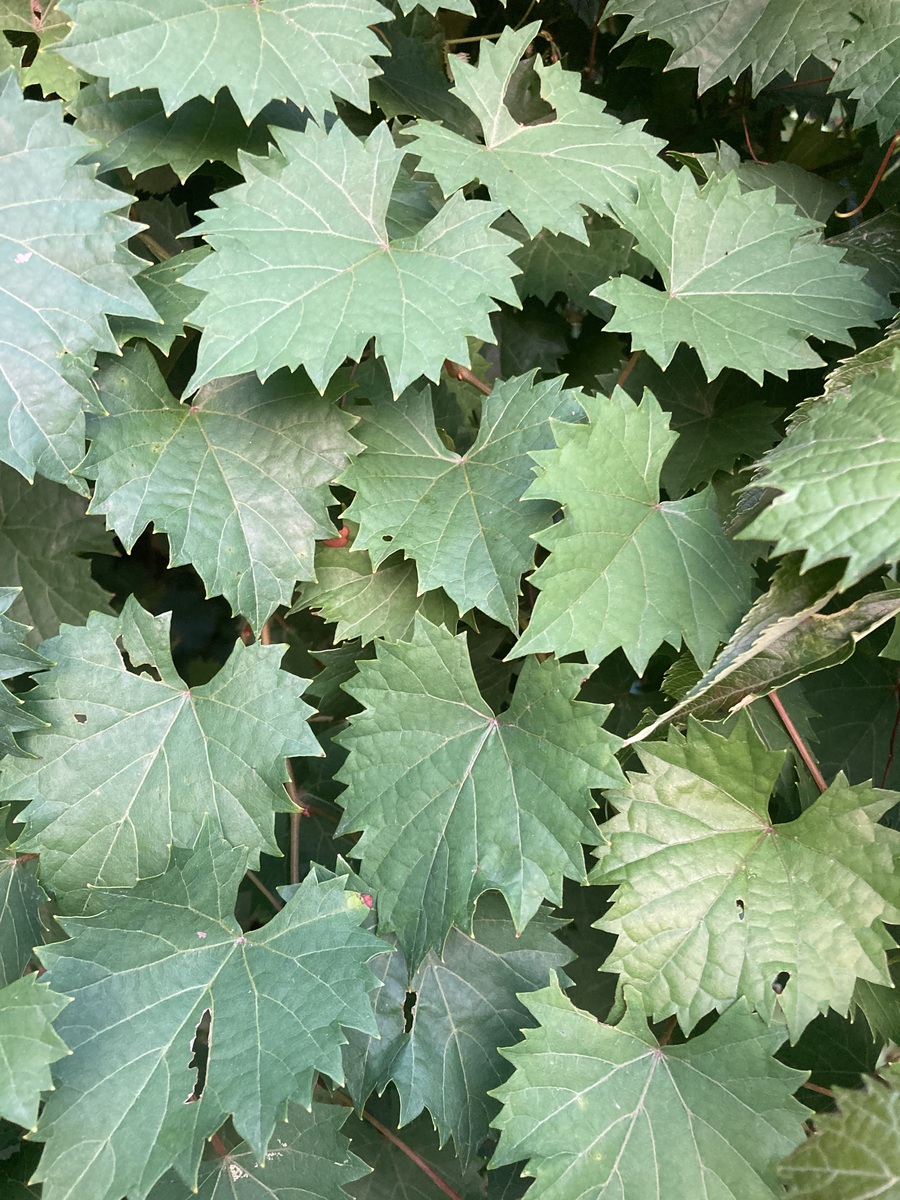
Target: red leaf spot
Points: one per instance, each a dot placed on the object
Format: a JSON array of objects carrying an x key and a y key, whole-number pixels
[
  {"x": 340, "y": 541},
  {"x": 366, "y": 899}
]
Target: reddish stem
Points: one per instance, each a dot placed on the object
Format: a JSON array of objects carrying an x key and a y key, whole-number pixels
[
  {"x": 814, "y": 1087},
  {"x": 802, "y": 748},
  {"x": 890, "y": 757},
  {"x": 423, "y": 1166},
  {"x": 219, "y": 1146},
  {"x": 892, "y": 146},
  {"x": 338, "y": 543},
  {"x": 668, "y": 1031},
  {"x": 748, "y": 142},
  {"x": 628, "y": 368},
  {"x": 460, "y": 372},
  {"x": 270, "y": 896}
]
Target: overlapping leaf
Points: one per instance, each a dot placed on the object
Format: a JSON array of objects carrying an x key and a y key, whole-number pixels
[
  {"x": 28, "y": 1045},
  {"x": 714, "y": 901},
  {"x": 64, "y": 270},
  {"x": 173, "y": 300},
  {"x": 870, "y": 67},
  {"x": 238, "y": 479},
  {"x": 466, "y": 1006},
  {"x": 274, "y": 50},
  {"x": 20, "y": 924},
  {"x": 305, "y": 273},
  {"x": 15, "y": 659},
  {"x": 549, "y": 174},
  {"x": 462, "y": 517},
  {"x": 722, "y": 38},
  {"x": 624, "y": 569},
  {"x": 132, "y": 762},
  {"x": 454, "y": 801},
  {"x": 744, "y": 283},
  {"x": 141, "y": 977},
  {"x": 854, "y": 1153},
  {"x": 607, "y": 1112},
  {"x": 44, "y": 535},
  {"x": 838, "y": 472}
]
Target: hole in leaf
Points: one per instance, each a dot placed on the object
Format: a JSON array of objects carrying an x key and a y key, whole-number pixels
[
  {"x": 81, "y": 718},
  {"x": 387, "y": 537},
  {"x": 780, "y": 982},
  {"x": 740, "y": 908},
  {"x": 409, "y": 1008},
  {"x": 200, "y": 1044}
]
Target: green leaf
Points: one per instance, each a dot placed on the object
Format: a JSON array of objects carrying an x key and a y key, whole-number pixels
[
  {"x": 20, "y": 924},
  {"x": 275, "y": 50},
  {"x": 462, "y": 517},
  {"x": 625, "y": 569},
  {"x": 810, "y": 194},
  {"x": 15, "y": 659},
  {"x": 64, "y": 271},
  {"x": 369, "y": 603},
  {"x": 838, "y": 475},
  {"x": 309, "y": 224},
  {"x": 854, "y": 1153},
  {"x": 465, "y": 1007},
  {"x": 455, "y": 801},
  {"x": 606, "y": 1111},
  {"x": 28, "y": 1045},
  {"x": 744, "y": 283},
  {"x": 142, "y": 975},
  {"x": 43, "y": 534},
  {"x": 133, "y": 130},
  {"x": 238, "y": 479},
  {"x": 783, "y": 637},
  {"x": 870, "y": 67},
  {"x": 714, "y": 901},
  {"x": 306, "y": 1146},
  {"x": 131, "y": 763},
  {"x": 722, "y": 38},
  {"x": 173, "y": 300},
  {"x": 548, "y": 174},
  {"x": 875, "y": 245},
  {"x": 414, "y": 81}
]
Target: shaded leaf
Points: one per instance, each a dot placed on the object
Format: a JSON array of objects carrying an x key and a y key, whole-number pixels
[
  {"x": 870, "y": 67},
  {"x": 28, "y": 1045},
  {"x": 173, "y": 300},
  {"x": 16, "y": 658},
  {"x": 20, "y": 924}
]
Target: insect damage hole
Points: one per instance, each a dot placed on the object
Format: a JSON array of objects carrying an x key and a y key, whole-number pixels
[
  {"x": 200, "y": 1044},
  {"x": 81, "y": 718},
  {"x": 409, "y": 1008},
  {"x": 780, "y": 982},
  {"x": 740, "y": 908}
]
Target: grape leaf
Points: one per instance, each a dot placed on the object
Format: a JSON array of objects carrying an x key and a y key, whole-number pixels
[
  {"x": 783, "y": 637},
  {"x": 875, "y": 245},
  {"x": 870, "y": 67},
  {"x": 810, "y": 194},
  {"x": 133, "y": 130},
  {"x": 276, "y": 50},
  {"x": 465, "y": 1007},
  {"x": 276, "y": 998},
  {"x": 548, "y": 174},
  {"x": 173, "y": 300},
  {"x": 43, "y": 531},
  {"x": 64, "y": 270},
  {"x": 369, "y": 603},
  {"x": 714, "y": 901},
  {"x": 304, "y": 272},
  {"x": 131, "y": 762},
  {"x": 28, "y": 1045},
  {"x": 15, "y": 659},
  {"x": 307, "y": 1147},
  {"x": 744, "y": 284},
  {"x": 838, "y": 474},
  {"x": 20, "y": 924},
  {"x": 606, "y": 1111},
  {"x": 238, "y": 479},
  {"x": 722, "y": 38},
  {"x": 52, "y": 74},
  {"x": 455, "y": 801},
  {"x": 462, "y": 517},
  {"x": 414, "y": 79},
  {"x": 854, "y": 1153},
  {"x": 671, "y": 560}
]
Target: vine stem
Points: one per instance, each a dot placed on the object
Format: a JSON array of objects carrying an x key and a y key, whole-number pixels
[
  {"x": 892, "y": 146},
  {"x": 628, "y": 368},
  {"x": 668, "y": 1031},
  {"x": 802, "y": 748},
  {"x": 463, "y": 373},
  {"x": 270, "y": 896},
  {"x": 823, "y": 1091}
]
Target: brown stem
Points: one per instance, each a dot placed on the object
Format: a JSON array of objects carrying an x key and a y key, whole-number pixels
[
  {"x": 265, "y": 634},
  {"x": 802, "y": 748},
  {"x": 219, "y": 1146},
  {"x": 814, "y": 1087},
  {"x": 461, "y": 372},
  {"x": 628, "y": 368},
  {"x": 668, "y": 1031},
  {"x": 892, "y": 146},
  {"x": 161, "y": 253},
  {"x": 592, "y": 53},
  {"x": 423, "y": 1166},
  {"x": 890, "y": 757},
  {"x": 749, "y": 144},
  {"x": 270, "y": 896}
]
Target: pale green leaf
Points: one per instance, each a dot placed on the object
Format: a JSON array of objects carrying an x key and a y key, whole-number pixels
[
  {"x": 131, "y": 763},
  {"x": 548, "y": 174},
  {"x": 274, "y": 50},
  {"x": 305, "y": 274},
  {"x": 625, "y": 569},
  {"x": 870, "y": 66},
  {"x": 28, "y": 1045},
  {"x": 455, "y": 801},
  {"x": 854, "y": 1153},
  {"x": 784, "y": 636},
  {"x": 238, "y": 479},
  {"x": 141, "y": 977},
  {"x": 64, "y": 271},
  {"x": 722, "y": 38},
  {"x": 838, "y": 478},
  {"x": 810, "y": 194},
  {"x": 133, "y": 130},
  {"x": 462, "y": 517},
  {"x": 714, "y": 901},
  {"x": 43, "y": 534},
  {"x": 744, "y": 283},
  {"x": 173, "y": 300},
  {"x": 16, "y": 658},
  {"x": 20, "y": 924},
  {"x": 607, "y": 1112},
  {"x": 52, "y": 74},
  {"x": 309, "y": 1158},
  {"x": 466, "y": 1006}
]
